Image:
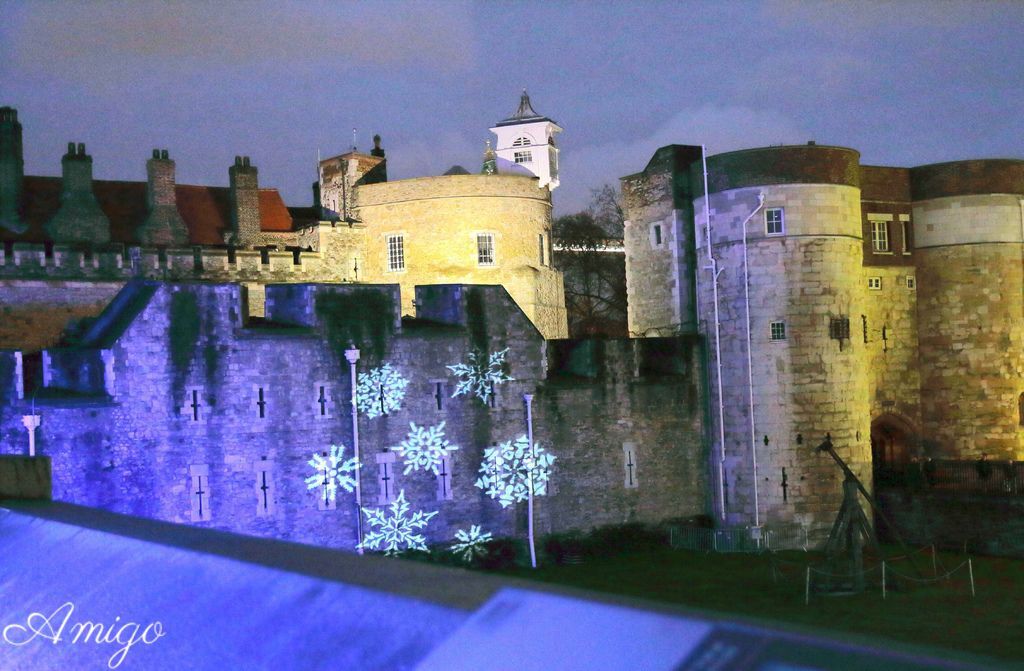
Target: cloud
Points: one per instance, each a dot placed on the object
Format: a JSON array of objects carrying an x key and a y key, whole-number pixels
[
  {"x": 84, "y": 37},
  {"x": 719, "y": 128}
]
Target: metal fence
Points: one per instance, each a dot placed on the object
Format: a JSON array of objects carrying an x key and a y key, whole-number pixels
[
  {"x": 1004, "y": 478},
  {"x": 740, "y": 539}
]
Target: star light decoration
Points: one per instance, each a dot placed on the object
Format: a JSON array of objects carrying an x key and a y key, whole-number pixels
[
  {"x": 470, "y": 544},
  {"x": 333, "y": 472},
  {"x": 424, "y": 448},
  {"x": 395, "y": 532},
  {"x": 505, "y": 471},
  {"x": 380, "y": 391},
  {"x": 480, "y": 375}
]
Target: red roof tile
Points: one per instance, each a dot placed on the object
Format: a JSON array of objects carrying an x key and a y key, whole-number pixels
[{"x": 206, "y": 210}]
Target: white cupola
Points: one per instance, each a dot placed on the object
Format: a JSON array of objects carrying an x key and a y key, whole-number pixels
[{"x": 526, "y": 144}]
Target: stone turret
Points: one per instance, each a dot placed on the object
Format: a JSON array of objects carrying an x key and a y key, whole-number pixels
[
  {"x": 80, "y": 218},
  {"x": 164, "y": 226},
  {"x": 12, "y": 170},
  {"x": 245, "y": 203}
]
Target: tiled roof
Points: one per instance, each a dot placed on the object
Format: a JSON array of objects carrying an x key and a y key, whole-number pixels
[{"x": 205, "y": 209}]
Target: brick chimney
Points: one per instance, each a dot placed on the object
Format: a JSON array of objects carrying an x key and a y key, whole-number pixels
[
  {"x": 245, "y": 203},
  {"x": 79, "y": 219},
  {"x": 12, "y": 171},
  {"x": 164, "y": 226}
]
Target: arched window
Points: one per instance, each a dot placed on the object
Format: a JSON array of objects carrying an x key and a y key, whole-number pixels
[{"x": 521, "y": 141}]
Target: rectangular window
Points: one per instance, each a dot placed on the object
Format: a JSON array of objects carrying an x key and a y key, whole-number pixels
[
  {"x": 540, "y": 248},
  {"x": 774, "y": 221},
  {"x": 629, "y": 465},
  {"x": 905, "y": 229},
  {"x": 777, "y": 330},
  {"x": 522, "y": 157},
  {"x": 880, "y": 236},
  {"x": 193, "y": 410},
  {"x": 386, "y": 478},
  {"x": 200, "y": 492},
  {"x": 322, "y": 404},
  {"x": 485, "y": 249},
  {"x": 440, "y": 391},
  {"x": 875, "y": 283},
  {"x": 444, "y": 479},
  {"x": 911, "y": 282},
  {"x": 396, "y": 253},
  {"x": 264, "y": 487},
  {"x": 657, "y": 238},
  {"x": 260, "y": 394}
]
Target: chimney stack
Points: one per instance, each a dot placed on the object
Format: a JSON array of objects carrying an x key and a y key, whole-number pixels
[
  {"x": 80, "y": 218},
  {"x": 12, "y": 171},
  {"x": 164, "y": 226},
  {"x": 245, "y": 203}
]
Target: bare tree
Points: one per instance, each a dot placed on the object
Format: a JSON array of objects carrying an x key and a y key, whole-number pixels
[{"x": 589, "y": 252}]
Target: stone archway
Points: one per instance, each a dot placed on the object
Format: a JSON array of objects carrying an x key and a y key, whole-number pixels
[{"x": 892, "y": 448}]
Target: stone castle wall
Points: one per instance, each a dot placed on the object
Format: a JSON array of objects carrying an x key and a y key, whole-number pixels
[
  {"x": 440, "y": 217},
  {"x": 891, "y": 352},
  {"x": 806, "y": 384},
  {"x": 184, "y": 372},
  {"x": 971, "y": 311}
]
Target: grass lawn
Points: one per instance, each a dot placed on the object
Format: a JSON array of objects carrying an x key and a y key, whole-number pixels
[{"x": 941, "y": 615}]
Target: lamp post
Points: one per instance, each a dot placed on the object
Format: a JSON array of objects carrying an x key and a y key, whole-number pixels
[
  {"x": 31, "y": 422},
  {"x": 531, "y": 465},
  {"x": 352, "y": 356},
  {"x": 750, "y": 361}
]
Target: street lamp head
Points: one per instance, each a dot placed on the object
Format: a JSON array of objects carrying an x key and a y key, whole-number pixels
[{"x": 352, "y": 355}]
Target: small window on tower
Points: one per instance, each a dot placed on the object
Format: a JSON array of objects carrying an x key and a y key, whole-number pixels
[
  {"x": 521, "y": 141},
  {"x": 774, "y": 221},
  {"x": 875, "y": 283},
  {"x": 777, "y": 330},
  {"x": 911, "y": 282},
  {"x": 396, "y": 253},
  {"x": 522, "y": 157},
  {"x": 485, "y": 249},
  {"x": 657, "y": 238}
]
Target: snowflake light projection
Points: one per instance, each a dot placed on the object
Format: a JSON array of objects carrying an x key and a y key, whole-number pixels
[
  {"x": 333, "y": 472},
  {"x": 505, "y": 471},
  {"x": 470, "y": 544},
  {"x": 480, "y": 375},
  {"x": 380, "y": 391},
  {"x": 424, "y": 448},
  {"x": 395, "y": 531}
]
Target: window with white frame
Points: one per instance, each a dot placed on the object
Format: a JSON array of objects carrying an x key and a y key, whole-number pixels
[
  {"x": 396, "y": 253},
  {"x": 521, "y": 141},
  {"x": 777, "y": 330},
  {"x": 774, "y": 221},
  {"x": 522, "y": 157},
  {"x": 875, "y": 283},
  {"x": 485, "y": 249},
  {"x": 880, "y": 236},
  {"x": 905, "y": 229},
  {"x": 911, "y": 282}
]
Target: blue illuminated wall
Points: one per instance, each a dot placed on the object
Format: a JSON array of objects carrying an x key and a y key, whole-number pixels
[{"x": 173, "y": 390}]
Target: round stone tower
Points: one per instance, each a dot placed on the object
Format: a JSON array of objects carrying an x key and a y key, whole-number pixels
[
  {"x": 803, "y": 286},
  {"x": 969, "y": 236}
]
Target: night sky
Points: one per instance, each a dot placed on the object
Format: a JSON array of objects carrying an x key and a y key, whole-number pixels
[{"x": 905, "y": 83}]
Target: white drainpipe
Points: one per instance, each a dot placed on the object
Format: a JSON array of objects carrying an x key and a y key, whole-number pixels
[
  {"x": 352, "y": 356},
  {"x": 750, "y": 358},
  {"x": 713, "y": 266}
]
